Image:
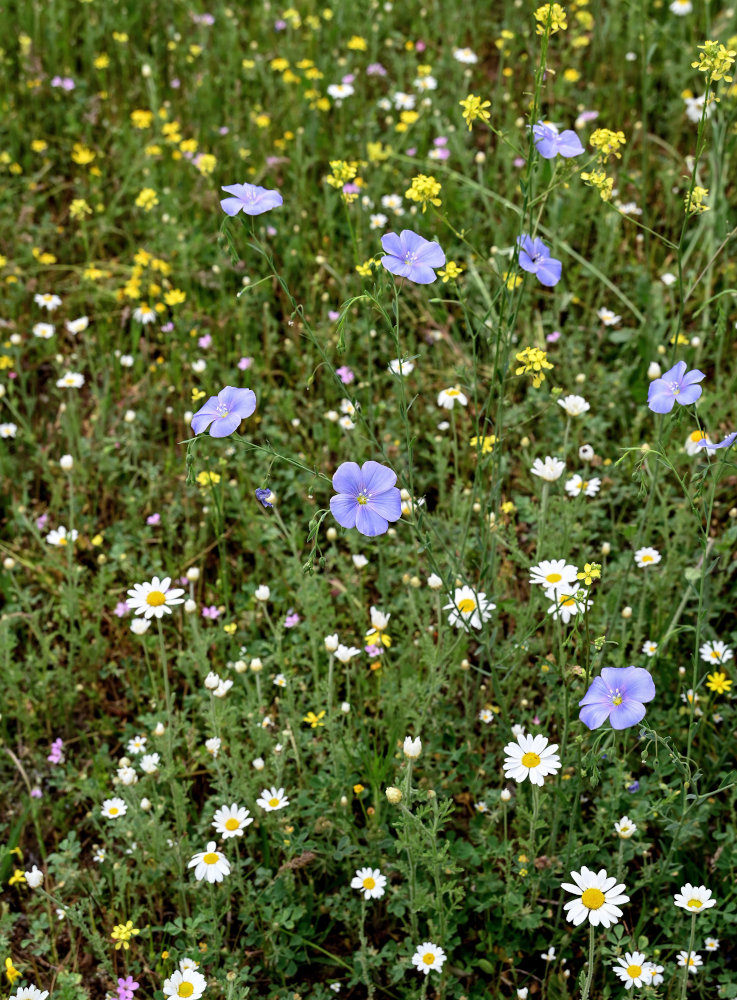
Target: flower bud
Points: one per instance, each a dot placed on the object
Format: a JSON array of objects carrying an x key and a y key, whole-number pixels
[{"x": 394, "y": 795}]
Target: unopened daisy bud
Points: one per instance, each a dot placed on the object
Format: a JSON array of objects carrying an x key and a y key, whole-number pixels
[
  {"x": 345, "y": 707},
  {"x": 394, "y": 795},
  {"x": 465, "y": 665},
  {"x": 412, "y": 748},
  {"x": 8, "y": 563},
  {"x": 434, "y": 582},
  {"x": 653, "y": 370},
  {"x": 681, "y": 671},
  {"x": 262, "y": 593},
  {"x": 211, "y": 681},
  {"x": 344, "y": 801},
  {"x": 146, "y": 805},
  {"x": 66, "y": 462},
  {"x": 258, "y": 763},
  {"x": 240, "y": 666},
  {"x": 160, "y": 729},
  {"x": 129, "y": 416},
  {"x": 331, "y": 534},
  {"x": 34, "y": 877},
  {"x": 580, "y": 377},
  {"x": 193, "y": 574},
  {"x": 331, "y": 642},
  {"x": 605, "y": 548},
  {"x": 139, "y": 626},
  {"x": 256, "y": 665},
  {"x": 586, "y": 453},
  {"x": 415, "y": 581},
  {"x": 505, "y": 795},
  {"x": 190, "y": 606},
  {"x": 525, "y": 442},
  {"x": 627, "y": 612}
]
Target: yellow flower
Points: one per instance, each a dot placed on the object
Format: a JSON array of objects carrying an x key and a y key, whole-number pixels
[
  {"x": 175, "y": 297},
  {"x": 512, "y": 280},
  {"x": 122, "y": 933},
  {"x": 599, "y": 180},
  {"x": 607, "y": 142},
  {"x": 79, "y": 208},
  {"x": 206, "y": 163},
  {"x": 406, "y": 118},
  {"x": 378, "y": 635},
  {"x": 262, "y": 121},
  {"x": 694, "y": 201},
  {"x": 314, "y": 720},
  {"x": 357, "y": 44},
  {"x": 147, "y": 199},
  {"x": 451, "y": 271},
  {"x": 377, "y": 152},
  {"x": 206, "y": 478},
  {"x": 487, "y": 442},
  {"x": 39, "y": 146},
  {"x": 551, "y": 17},
  {"x": 719, "y": 683},
  {"x": 120, "y": 36},
  {"x": 102, "y": 61},
  {"x": 230, "y": 628},
  {"x": 342, "y": 172},
  {"x": 357, "y": 789},
  {"x": 365, "y": 269},
  {"x": 715, "y": 61},
  {"x": 17, "y": 877},
  {"x": 533, "y": 361},
  {"x": 591, "y": 572},
  {"x": 81, "y": 154},
  {"x": 571, "y": 75},
  {"x": 97, "y": 540},
  {"x": 506, "y": 508},
  {"x": 423, "y": 189},
  {"x": 10, "y": 971},
  {"x": 279, "y": 65},
  {"x": 141, "y": 119},
  {"x": 474, "y": 109}
]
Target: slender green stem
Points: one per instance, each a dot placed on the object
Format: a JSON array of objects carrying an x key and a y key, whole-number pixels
[
  {"x": 590, "y": 972},
  {"x": 684, "y": 984}
]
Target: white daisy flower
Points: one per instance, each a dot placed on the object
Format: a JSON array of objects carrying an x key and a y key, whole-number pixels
[
  {"x": 549, "y": 955},
  {"x": 47, "y": 301},
  {"x": 531, "y": 757},
  {"x": 647, "y": 557},
  {"x": 549, "y": 470},
  {"x": 370, "y": 881},
  {"x": 412, "y": 748},
  {"x": 150, "y": 763},
  {"x": 30, "y": 993},
  {"x": 75, "y": 326},
  {"x": 599, "y": 898},
  {"x": 34, "y": 877},
  {"x": 574, "y": 405},
  {"x": 428, "y": 956},
  {"x": 486, "y": 716},
  {"x": 681, "y": 7},
  {"x": 466, "y": 56},
  {"x": 691, "y": 959},
  {"x": 567, "y": 606},
  {"x": 447, "y": 398},
  {"x": 378, "y": 220},
  {"x": 625, "y": 828},
  {"x": 692, "y": 443},
  {"x": 715, "y": 652},
  {"x": 650, "y": 648},
  {"x": 72, "y": 380},
  {"x": 139, "y": 626},
  {"x": 468, "y": 607},
  {"x": 136, "y": 745},
  {"x": 113, "y": 808},
  {"x": 43, "y": 330},
  {"x": 711, "y": 944},
  {"x": 60, "y": 536},
  {"x": 155, "y": 598},
  {"x": 577, "y": 485},
  {"x": 144, "y": 314},
  {"x": 272, "y": 799},
  {"x": 393, "y": 203},
  {"x": 403, "y": 102},
  {"x": 607, "y": 317},
  {"x": 652, "y": 973},
  {"x": 399, "y": 366},
  {"x": 8, "y": 430},
  {"x": 187, "y": 963},
  {"x": 554, "y": 573},
  {"x": 339, "y": 91},
  {"x": 213, "y": 745},
  {"x": 694, "y": 898},
  {"x": 210, "y": 865},
  {"x": 280, "y": 681},
  {"x": 190, "y": 984},
  {"x": 231, "y": 822},
  {"x": 632, "y": 969},
  {"x": 346, "y": 653}
]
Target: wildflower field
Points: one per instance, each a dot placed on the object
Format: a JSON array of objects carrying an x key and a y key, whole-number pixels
[{"x": 367, "y": 437}]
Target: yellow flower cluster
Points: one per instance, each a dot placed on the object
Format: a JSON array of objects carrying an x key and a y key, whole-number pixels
[
  {"x": 551, "y": 17},
  {"x": 450, "y": 272},
  {"x": 122, "y": 933},
  {"x": 79, "y": 208},
  {"x": 715, "y": 61},
  {"x": 598, "y": 179},
  {"x": 694, "y": 201},
  {"x": 474, "y": 109},
  {"x": 141, "y": 119},
  {"x": 365, "y": 269},
  {"x": 81, "y": 154},
  {"x": 147, "y": 199},
  {"x": 591, "y": 572},
  {"x": 423, "y": 189},
  {"x": 342, "y": 172},
  {"x": 532, "y": 362},
  {"x": 607, "y": 143}
]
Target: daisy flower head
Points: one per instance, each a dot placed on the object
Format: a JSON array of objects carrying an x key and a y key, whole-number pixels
[
  {"x": 486, "y": 716},
  {"x": 272, "y": 799},
  {"x": 650, "y": 648},
  {"x": 113, "y": 808},
  {"x": 26, "y": 992},
  {"x": 43, "y": 330},
  {"x": 549, "y": 470},
  {"x": 556, "y": 574},
  {"x": 411, "y": 256},
  {"x": 60, "y": 536},
  {"x": 531, "y": 757},
  {"x": 607, "y": 317},
  {"x": 71, "y": 380},
  {"x": 694, "y": 898},
  {"x": 574, "y": 405},
  {"x": 468, "y": 607},
  {"x": 428, "y": 957},
  {"x": 251, "y": 199},
  {"x": 188, "y": 983},
  {"x": 567, "y": 604},
  {"x": 577, "y": 485},
  {"x": 681, "y": 7},
  {"x": 711, "y": 944},
  {"x": 625, "y": 828},
  {"x": 619, "y": 695},
  {"x": 652, "y": 973},
  {"x": 370, "y": 882},
  {"x": 647, "y": 557},
  {"x": 223, "y": 413},
  {"x": 154, "y": 599},
  {"x": 690, "y": 959},
  {"x": 715, "y": 652},
  {"x": 447, "y": 398},
  {"x": 47, "y": 301},
  {"x": 598, "y": 899},
  {"x": 466, "y": 56},
  {"x": 676, "y": 386},
  {"x": 231, "y": 821},
  {"x": 210, "y": 865},
  {"x": 366, "y": 497},
  {"x": 632, "y": 969}
]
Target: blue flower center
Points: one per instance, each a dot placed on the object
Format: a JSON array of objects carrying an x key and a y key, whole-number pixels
[
  {"x": 616, "y": 696},
  {"x": 222, "y": 410},
  {"x": 362, "y": 498},
  {"x": 675, "y": 387},
  {"x": 410, "y": 257}
]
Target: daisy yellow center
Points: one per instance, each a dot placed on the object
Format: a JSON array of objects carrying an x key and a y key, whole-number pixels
[
  {"x": 593, "y": 899},
  {"x": 568, "y": 602},
  {"x": 428, "y": 958},
  {"x": 647, "y": 558},
  {"x": 691, "y": 961},
  {"x": 530, "y": 759},
  {"x": 634, "y": 971},
  {"x": 155, "y": 598},
  {"x": 273, "y": 803},
  {"x": 452, "y": 392},
  {"x": 368, "y": 883},
  {"x": 210, "y": 858},
  {"x": 113, "y": 810},
  {"x": 185, "y": 990},
  {"x": 232, "y": 823},
  {"x": 553, "y": 577},
  {"x": 696, "y": 435},
  {"x": 694, "y": 904},
  {"x": 585, "y": 484},
  {"x": 467, "y": 605},
  {"x": 715, "y": 654},
  {"x": 62, "y": 541}
]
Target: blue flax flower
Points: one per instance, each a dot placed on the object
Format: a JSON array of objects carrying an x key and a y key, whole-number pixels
[
  {"x": 410, "y": 256},
  {"x": 224, "y": 411},
  {"x": 618, "y": 695},
  {"x": 367, "y": 498},
  {"x": 676, "y": 386},
  {"x": 262, "y": 495},
  {"x": 251, "y": 198},
  {"x": 549, "y": 142},
  {"x": 535, "y": 257},
  {"x": 726, "y": 442}
]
